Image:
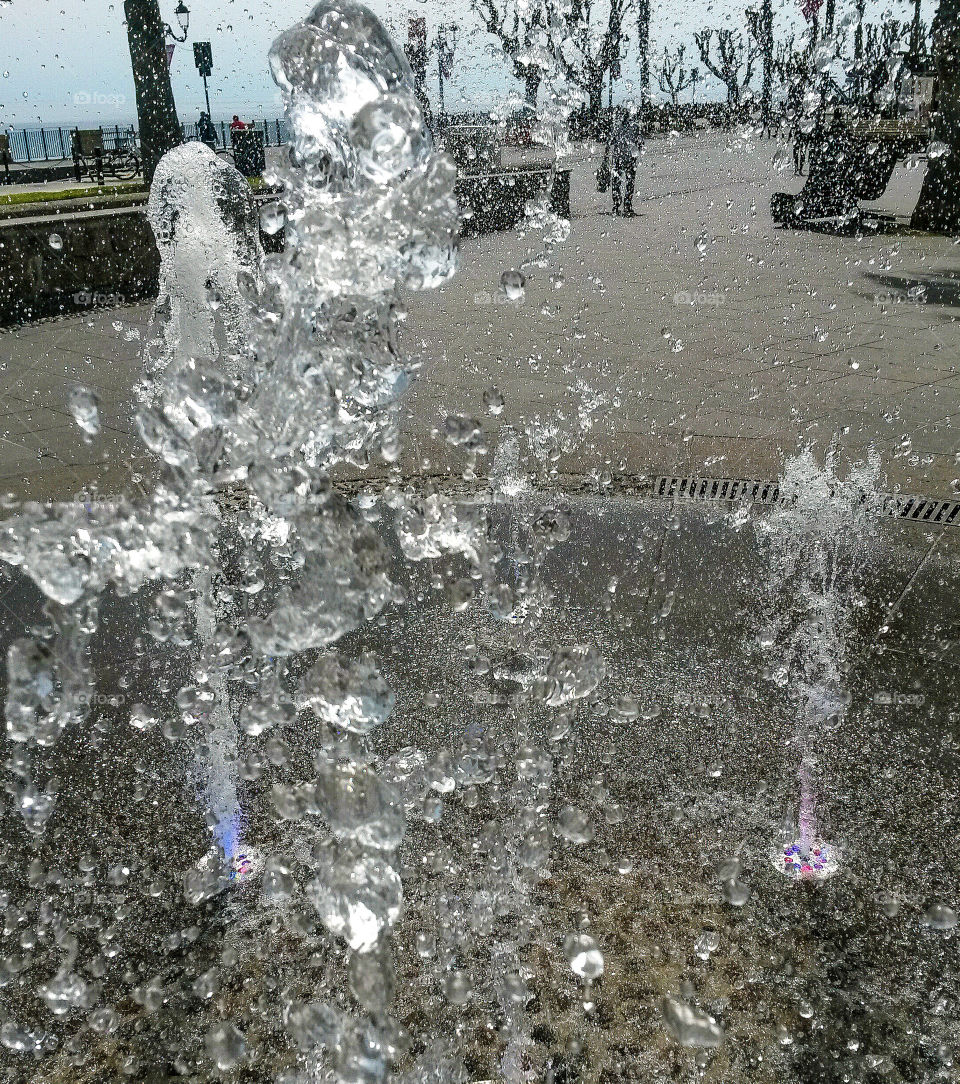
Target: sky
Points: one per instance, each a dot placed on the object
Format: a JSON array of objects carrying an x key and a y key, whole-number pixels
[{"x": 66, "y": 62}]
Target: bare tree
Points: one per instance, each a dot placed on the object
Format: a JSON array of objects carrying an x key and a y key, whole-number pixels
[
  {"x": 583, "y": 42},
  {"x": 872, "y": 58},
  {"x": 595, "y": 48},
  {"x": 520, "y": 29},
  {"x": 879, "y": 72},
  {"x": 730, "y": 57},
  {"x": 674, "y": 77},
  {"x": 794, "y": 71},
  {"x": 760, "y": 24}
]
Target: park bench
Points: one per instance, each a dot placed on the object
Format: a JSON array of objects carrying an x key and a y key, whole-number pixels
[
  {"x": 91, "y": 159},
  {"x": 893, "y": 130},
  {"x": 493, "y": 196},
  {"x": 849, "y": 163}
]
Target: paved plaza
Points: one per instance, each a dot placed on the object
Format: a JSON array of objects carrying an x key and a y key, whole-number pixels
[{"x": 695, "y": 338}]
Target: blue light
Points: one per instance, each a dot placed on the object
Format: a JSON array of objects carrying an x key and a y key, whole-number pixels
[{"x": 227, "y": 835}]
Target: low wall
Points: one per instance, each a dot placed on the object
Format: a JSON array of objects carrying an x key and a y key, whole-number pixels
[
  {"x": 38, "y": 173},
  {"x": 103, "y": 259},
  {"x": 110, "y": 258}
]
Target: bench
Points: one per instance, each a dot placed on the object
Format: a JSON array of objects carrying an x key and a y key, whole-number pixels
[{"x": 496, "y": 201}]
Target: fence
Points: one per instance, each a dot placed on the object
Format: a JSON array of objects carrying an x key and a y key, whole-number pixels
[
  {"x": 53, "y": 144},
  {"x": 274, "y": 132}
]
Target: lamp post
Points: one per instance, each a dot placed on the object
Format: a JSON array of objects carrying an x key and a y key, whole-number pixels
[
  {"x": 446, "y": 45},
  {"x": 182, "y": 13}
]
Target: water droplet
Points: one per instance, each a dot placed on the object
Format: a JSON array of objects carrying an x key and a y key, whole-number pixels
[
  {"x": 940, "y": 917},
  {"x": 690, "y": 1026},
  {"x": 583, "y": 955},
  {"x": 493, "y": 400},
  {"x": 513, "y": 285},
  {"x": 226, "y": 1046},
  {"x": 85, "y": 408},
  {"x": 457, "y": 987},
  {"x": 273, "y": 217}
]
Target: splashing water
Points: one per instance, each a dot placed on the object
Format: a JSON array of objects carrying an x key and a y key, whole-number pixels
[
  {"x": 312, "y": 769},
  {"x": 261, "y": 373},
  {"x": 205, "y": 223},
  {"x": 817, "y": 538}
]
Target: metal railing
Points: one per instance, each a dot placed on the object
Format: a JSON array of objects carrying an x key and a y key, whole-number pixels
[
  {"x": 274, "y": 132},
  {"x": 28, "y": 145}
]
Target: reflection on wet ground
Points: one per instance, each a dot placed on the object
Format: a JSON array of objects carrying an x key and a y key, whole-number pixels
[{"x": 681, "y": 770}]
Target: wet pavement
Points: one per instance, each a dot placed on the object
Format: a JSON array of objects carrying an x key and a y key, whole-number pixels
[
  {"x": 694, "y": 339},
  {"x": 686, "y": 755}
]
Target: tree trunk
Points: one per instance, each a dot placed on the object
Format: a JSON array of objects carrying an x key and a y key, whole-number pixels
[
  {"x": 595, "y": 93},
  {"x": 766, "y": 53},
  {"x": 531, "y": 85},
  {"x": 733, "y": 97},
  {"x": 939, "y": 205},
  {"x": 159, "y": 127},
  {"x": 643, "y": 47}
]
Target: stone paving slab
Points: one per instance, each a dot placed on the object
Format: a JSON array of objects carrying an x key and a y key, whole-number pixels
[
  {"x": 746, "y": 350},
  {"x": 695, "y": 338}
]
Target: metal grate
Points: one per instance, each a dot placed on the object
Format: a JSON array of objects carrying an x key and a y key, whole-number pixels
[
  {"x": 921, "y": 509},
  {"x": 915, "y": 508},
  {"x": 718, "y": 489}
]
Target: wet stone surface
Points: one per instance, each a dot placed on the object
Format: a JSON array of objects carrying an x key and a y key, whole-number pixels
[{"x": 673, "y": 782}]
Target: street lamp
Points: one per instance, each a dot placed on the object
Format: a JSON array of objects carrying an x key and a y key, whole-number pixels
[
  {"x": 182, "y": 13},
  {"x": 446, "y": 47}
]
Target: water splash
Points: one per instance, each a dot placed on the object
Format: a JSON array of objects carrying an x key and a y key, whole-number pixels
[
  {"x": 205, "y": 223},
  {"x": 818, "y": 537},
  {"x": 262, "y": 373}
]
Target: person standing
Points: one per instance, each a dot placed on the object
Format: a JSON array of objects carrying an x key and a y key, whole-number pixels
[
  {"x": 237, "y": 125},
  {"x": 623, "y": 149},
  {"x": 206, "y": 132},
  {"x": 801, "y": 147}
]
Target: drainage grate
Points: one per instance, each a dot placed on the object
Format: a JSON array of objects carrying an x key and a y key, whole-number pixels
[
  {"x": 915, "y": 508},
  {"x": 922, "y": 509},
  {"x": 717, "y": 489}
]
